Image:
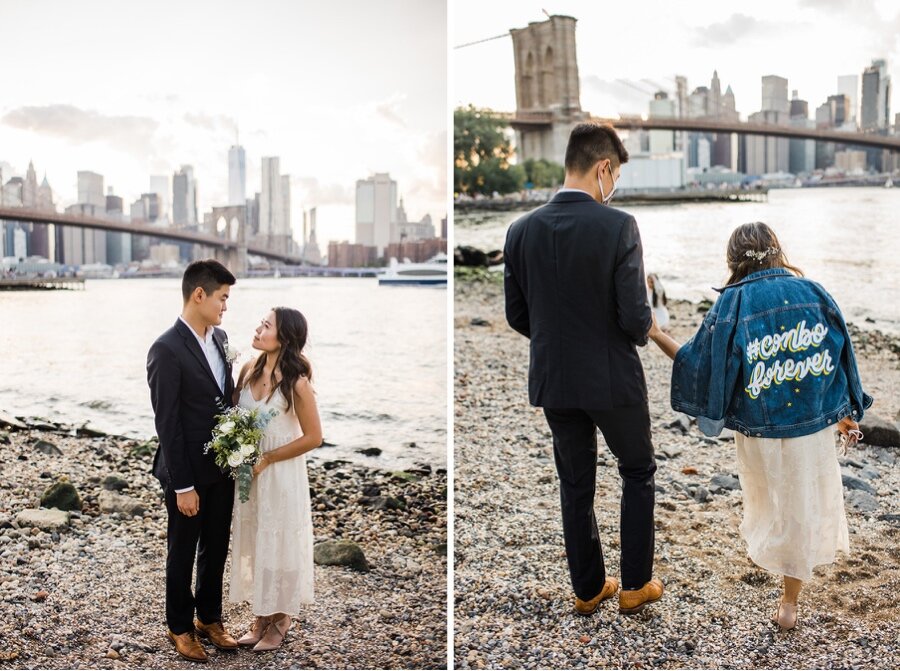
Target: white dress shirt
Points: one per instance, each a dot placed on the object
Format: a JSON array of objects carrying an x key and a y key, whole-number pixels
[{"x": 216, "y": 364}]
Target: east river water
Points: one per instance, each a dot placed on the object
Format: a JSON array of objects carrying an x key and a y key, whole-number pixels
[
  {"x": 847, "y": 239},
  {"x": 379, "y": 357}
]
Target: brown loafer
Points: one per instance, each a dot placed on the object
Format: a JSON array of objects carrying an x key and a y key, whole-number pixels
[
  {"x": 217, "y": 635},
  {"x": 633, "y": 600},
  {"x": 188, "y": 646},
  {"x": 588, "y": 607}
]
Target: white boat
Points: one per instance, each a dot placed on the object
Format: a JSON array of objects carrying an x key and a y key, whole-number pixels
[{"x": 432, "y": 272}]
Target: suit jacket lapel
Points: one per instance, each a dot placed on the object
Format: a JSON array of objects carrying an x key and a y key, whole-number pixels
[
  {"x": 221, "y": 339},
  {"x": 190, "y": 340}
]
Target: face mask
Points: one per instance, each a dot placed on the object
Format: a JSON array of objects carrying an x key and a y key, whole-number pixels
[{"x": 604, "y": 197}]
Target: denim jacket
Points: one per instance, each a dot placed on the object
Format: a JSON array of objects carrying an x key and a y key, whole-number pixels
[{"x": 773, "y": 359}]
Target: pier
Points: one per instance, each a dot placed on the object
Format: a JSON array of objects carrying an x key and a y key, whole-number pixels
[{"x": 40, "y": 283}]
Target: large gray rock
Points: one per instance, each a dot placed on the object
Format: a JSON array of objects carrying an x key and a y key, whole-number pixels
[
  {"x": 48, "y": 448},
  {"x": 11, "y": 422},
  {"x": 853, "y": 483},
  {"x": 110, "y": 502},
  {"x": 862, "y": 501},
  {"x": 880, "y": 432},
  {"x": 61, "y": 495},
  {"x": 42, "y": 518},
  {"x": 340, "y": 553},
  {"x": 724, "y": 482}
]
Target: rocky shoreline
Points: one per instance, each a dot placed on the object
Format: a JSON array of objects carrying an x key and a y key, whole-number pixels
[
  {"x": 85, "y": 589},
  {"x": 513, "y": 600}
]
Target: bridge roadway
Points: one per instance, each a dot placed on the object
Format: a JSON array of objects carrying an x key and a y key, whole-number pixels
[
  {"x": 181, "y": 235},
  {"x": 526, "y": 120}
]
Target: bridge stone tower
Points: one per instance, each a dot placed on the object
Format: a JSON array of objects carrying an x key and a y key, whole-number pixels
[
  {"x": 548, "y": 97},
  {"x": 230, "y": 223}
]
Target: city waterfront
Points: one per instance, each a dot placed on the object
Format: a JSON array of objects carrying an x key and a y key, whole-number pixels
[
  {"x": 846, "y": 239},
  {"x": 378, "y": 355}
]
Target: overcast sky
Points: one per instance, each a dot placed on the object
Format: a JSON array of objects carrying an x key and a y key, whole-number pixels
[
  {"x": 337, "y": 89},
  {"x": 648, "y": 43}
]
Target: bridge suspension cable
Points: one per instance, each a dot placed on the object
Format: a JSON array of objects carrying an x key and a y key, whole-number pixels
[{"x": 486, "y": 39}]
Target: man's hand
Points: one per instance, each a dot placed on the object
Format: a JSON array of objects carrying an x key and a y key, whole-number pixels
[{"x": 188, "y": 503}]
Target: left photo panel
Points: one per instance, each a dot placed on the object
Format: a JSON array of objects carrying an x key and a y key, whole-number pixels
[{"x": 223, "y": 326}]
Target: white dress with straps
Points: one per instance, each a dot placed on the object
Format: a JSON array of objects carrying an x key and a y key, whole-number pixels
[{"x": 272, "y": 534}]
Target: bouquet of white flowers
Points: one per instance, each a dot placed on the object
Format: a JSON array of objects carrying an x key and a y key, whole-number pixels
[{"x": 235, "y": 442}]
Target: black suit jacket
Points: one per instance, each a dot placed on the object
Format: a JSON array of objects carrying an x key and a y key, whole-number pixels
[
  {"x": 575, "y": 286},
  {"x": 184, "y": 394}
]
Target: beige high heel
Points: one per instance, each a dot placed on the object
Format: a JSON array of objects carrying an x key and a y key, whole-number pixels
[
  {"x": 786, "y": 615},
  {"x": 256, "y": 632},
  {"x": 274, "y": 636}
]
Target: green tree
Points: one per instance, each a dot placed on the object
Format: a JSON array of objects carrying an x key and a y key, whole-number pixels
[
  {"x": 482, "y": 153},
  {"x": 543, "y": 174}
]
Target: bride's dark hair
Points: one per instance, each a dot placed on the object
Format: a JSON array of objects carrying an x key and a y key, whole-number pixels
[{"x": 292, "y": 331}]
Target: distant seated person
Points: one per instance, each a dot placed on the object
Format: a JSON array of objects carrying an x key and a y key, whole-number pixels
[{"x": 656, "y": 296}]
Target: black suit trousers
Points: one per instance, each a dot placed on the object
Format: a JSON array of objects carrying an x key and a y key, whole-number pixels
[
  {"x": 627, "y": 432},
  {"x": 206, "y": 536}
]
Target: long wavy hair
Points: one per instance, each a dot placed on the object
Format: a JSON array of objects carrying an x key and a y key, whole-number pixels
[
  {"x": 754, "y": 247},
  {"x": 292, "y": 332}
]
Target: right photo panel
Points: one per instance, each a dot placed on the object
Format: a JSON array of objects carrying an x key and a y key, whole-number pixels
[{"x": 676, "y": 336}]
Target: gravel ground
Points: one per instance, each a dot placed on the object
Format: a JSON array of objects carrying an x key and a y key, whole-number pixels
[
  {"x": 513, "y": 599},
  {"x": 91, "y": 595}
]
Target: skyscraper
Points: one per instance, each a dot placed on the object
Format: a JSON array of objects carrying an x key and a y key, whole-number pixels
[
  {"x": 376, "y": 211},
  {"x": 285, "y": 229},
  {"x": 90, "y": 189},
  {"x": 184, "y": 197},
  {"x": 271, "y": 202},
  {"x": 775, "y": 94},
  {"x": 159, "y": 184},
  {"x": 875, "y": 110},
  {"x": 662, "y": 141},
  {"x": 848, "y": 85},
  {"x": 237, "y": 175}
]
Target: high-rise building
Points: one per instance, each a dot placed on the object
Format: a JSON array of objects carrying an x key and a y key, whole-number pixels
[
  {"x": 662, "y": 107},
  {"x": 876, "y": 93},
  {"x": 775, "y": 94},
  {"x": 30, "y": 187},
  {"x": 271, "y": 201},
  {"x": 90, "y": 189},
  {"x": 376, "y": 211},
  {"x": 848, "y": 85},
  {"x": 159, "y": 184},
  {"x": 801, "y": 153},
  {"x": 840, "y": 109},
  {"x": 284, "y": 241},
  {"x": 799, "y": 108},
  {"x": 311, "y": 252},
  {"x": 237, "y": 175},
  {"x": 184, "y": 197}
]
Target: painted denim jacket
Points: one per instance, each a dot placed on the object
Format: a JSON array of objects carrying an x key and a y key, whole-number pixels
[{"x": 773, "y": 359}]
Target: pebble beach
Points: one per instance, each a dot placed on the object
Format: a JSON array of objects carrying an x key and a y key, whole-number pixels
[
  {"x": 85, "y": 589},
  {"x": 513, "y": 599}
]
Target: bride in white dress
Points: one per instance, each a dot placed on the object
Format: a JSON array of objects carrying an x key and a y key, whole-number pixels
[{"x": 272, "y": 545}]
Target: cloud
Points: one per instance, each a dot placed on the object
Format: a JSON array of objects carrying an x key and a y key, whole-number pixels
[
  {"x": 733, "y": 29},
  {"x": 211, "y": 122},
  {"x": 314, "y": 193},
  {"x": 390, "y": 110},
  {"x": 79, "y": 125}
]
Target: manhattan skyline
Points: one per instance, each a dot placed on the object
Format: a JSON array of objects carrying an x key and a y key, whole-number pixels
[
  {"x": 317, "y": 86},
  {"x": 626, "y": 52}
]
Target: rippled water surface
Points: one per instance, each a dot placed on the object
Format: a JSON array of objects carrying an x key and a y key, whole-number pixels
[
  {"x": 846, "y": 239},
  {"x": 378, "y": 353}
]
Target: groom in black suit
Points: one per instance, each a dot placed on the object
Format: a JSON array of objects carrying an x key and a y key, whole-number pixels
[
  {"x": 575, "y": 287},
  {"x": 189, "y": 373}
]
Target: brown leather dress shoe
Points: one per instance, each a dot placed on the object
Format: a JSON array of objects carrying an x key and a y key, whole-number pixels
[
  {"x": 217, "y": 635},
  {"x": 633, "y": 600},
  {"x": 588, "y": 607},
  {"x": 188, "y": 646}
]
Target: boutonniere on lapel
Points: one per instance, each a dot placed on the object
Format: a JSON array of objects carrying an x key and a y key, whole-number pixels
[{"x": 231, "y": 354}]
